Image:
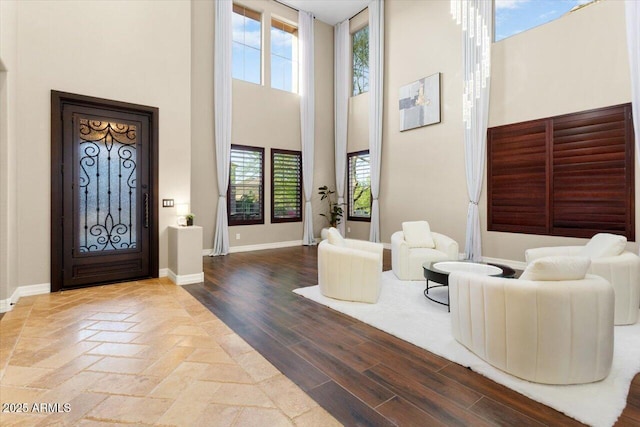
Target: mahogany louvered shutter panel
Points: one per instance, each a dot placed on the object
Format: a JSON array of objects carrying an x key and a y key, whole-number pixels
[
  {"x": 592, "y": 173},
  {"x": 517, "y": 177}
]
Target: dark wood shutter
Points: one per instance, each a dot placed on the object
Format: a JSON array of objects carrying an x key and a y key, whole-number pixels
[
  {"x": 593, "y": 173},
  {"x": 286, "y": 186},
  {"x": 517, "y": 177},
  {"x": 570, "y": 175}
]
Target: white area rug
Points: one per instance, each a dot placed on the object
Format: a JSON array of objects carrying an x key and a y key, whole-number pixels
[{"x": 404, "y": 312}]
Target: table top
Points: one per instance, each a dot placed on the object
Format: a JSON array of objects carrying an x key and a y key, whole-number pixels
[{"x": 486, "y": 269}]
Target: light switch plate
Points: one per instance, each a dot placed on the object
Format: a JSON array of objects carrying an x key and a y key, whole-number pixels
[{"x": 167, "y": 203}]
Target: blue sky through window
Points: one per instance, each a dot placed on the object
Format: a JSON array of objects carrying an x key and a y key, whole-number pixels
[
  {"x": 247, "y": 42},
  {"x": 515, "y": 16},
  {"x": 282, "y": 59}
]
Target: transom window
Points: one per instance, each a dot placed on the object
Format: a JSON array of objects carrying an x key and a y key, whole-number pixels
[
  {"x": 247, "y": 44},
  {"x": 284, "y": 61},
  {"x": 359, "y": 180},
  {"x": 360, "y": 52},
  {"x": 286, "y": 186},
  {"x": 245, "y": 196},
  {"x": 515, "y": 16}
]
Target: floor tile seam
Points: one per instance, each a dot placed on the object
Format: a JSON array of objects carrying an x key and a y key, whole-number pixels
[
  {"x": 490, "y": 420},
  {"x": 443, "y": 396},
  {"x": 116, "y": 421},
  {"x": 3, "y": 368},
  {"x": 373, "y": 408},
  {"x": 482, "y": 394},
  {"x": 236, "y": 420},
  {"x": 303, "y": 390},
  {"x": 186, "y": 296},
  {"x": 335, "y": 379}
]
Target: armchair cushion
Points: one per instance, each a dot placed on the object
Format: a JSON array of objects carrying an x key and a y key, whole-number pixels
[
  {"x": 604, "y": 245},
  {"x": 417, "y": 234},
  {"x": 335, "y": 238},
  {"x": 621, "y": 269},
  {"x": 557, "y": 268}
]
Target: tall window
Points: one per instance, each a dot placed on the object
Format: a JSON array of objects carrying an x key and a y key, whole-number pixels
[
  {"x": 286, "y": 186},
  {"x": 245, "y": 196},
  {"x": 284, "y": 64},
  {"x": 360, "y": 45},
  {"x": 247, "y": 44},
  {"x": 513, "y": 17},
  {"x": 359, "y": 202}
]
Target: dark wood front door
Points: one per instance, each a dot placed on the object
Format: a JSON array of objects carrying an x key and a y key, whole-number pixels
[{"x": 104, "y": 180}]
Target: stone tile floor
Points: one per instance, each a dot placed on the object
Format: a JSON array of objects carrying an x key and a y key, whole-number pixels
[{"x": 141, "y": 352}]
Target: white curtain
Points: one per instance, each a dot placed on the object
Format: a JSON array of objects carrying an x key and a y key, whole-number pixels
[
  {"x": 633, "y": 46},
  {"x": 376, "y": 80},
  {"x": 222, "y": 118},
  {"x": 341, "y": 107},
  {"x": 307, "y": 116},
  {"x": 476, "y": 18}
]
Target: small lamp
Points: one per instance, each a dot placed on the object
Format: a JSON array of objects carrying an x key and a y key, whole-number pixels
[{"x": 182, "y": 210}]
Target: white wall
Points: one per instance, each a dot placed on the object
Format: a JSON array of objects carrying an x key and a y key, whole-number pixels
[{"x": 135, "y": 51}]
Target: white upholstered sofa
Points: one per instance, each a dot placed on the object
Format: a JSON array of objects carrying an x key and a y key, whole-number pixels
[
  {"x": 546, "y": 331},
  {"x": 609, "y": 260},
  {"x": 349, "y": 269},
  {"x": 416, "y": 244}
]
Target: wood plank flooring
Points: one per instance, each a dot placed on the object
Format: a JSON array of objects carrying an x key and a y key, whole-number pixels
[{"x": 361, "y": 375}]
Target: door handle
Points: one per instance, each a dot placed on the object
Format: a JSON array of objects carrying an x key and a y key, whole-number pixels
[{"x": 146, "y": 210}]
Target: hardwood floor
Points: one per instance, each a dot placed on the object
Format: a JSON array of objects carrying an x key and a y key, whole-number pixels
[{"x": 361, "y": 375}]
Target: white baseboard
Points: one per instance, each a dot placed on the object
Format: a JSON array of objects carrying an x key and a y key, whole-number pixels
[
  {"x": 163, "y": 272},
  {"x": 185, "y": 279},
  {"x": 260, "y": 247},
  {"x": 23, "y": 291}
]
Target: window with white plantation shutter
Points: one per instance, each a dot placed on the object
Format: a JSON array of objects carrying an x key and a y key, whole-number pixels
[
  {"x": 286, "y": 186},
  {"x": 359, "y": 181},
  {"x": 245, "y": 196}
]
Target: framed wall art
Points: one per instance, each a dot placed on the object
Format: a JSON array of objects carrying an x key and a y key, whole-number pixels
[{"x": 420, "y": 103}]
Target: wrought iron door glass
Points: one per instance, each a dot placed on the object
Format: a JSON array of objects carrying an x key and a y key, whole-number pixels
[{"x": 106, "y": 185}]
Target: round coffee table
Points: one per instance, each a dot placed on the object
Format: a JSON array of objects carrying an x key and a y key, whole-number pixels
[{"x": 438, "y": 272}]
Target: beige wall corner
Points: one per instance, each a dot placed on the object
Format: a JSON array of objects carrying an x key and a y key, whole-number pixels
[
  {"x": 262, "y": 117},
  {"x": 423, "y": 175},
  {"x": 136, "y": 52},
  {"x": 8, "y": 143},
  {"x": 575, "y": 63}
]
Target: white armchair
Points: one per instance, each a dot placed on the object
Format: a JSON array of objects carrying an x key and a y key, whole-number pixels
[
  {"x": 610, "y": 261},
  {"x": 408, "y": 255},
  {"x": 544, "y": 330},
  {"x": 349, "y": 269}
]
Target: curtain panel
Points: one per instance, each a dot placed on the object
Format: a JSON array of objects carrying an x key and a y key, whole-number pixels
[
  {"x": 222, "y": 118},
  {"x": 341, "y": 109},
  {"x": 307, "y": 117},
  {"x": 376, "y": 80},
  {"x": 632, "y": 14}
]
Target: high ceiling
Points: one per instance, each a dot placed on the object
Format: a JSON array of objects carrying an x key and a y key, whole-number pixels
[{"x": 329, "y": 11}]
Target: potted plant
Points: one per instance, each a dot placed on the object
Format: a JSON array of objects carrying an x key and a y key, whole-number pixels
[
  {"x": 334, "y": 215},
  {"x": 190, "y": 219}
]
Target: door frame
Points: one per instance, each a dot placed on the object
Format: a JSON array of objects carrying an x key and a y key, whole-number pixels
[{"x": 58, "y": 101}]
